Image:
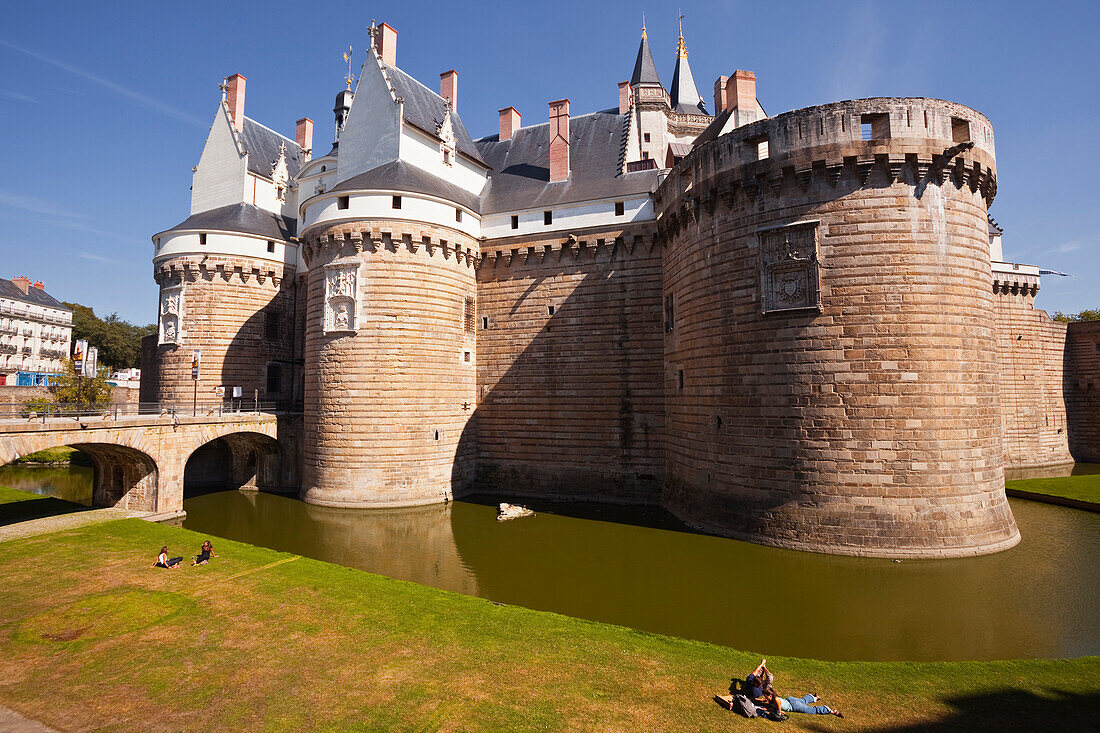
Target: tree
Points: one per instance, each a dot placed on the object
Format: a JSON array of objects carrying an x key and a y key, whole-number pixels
[
  {"x": 70, "y": 388},
  {"x": 118, "y": 341},
  {"x": 1085, "y": 315}
]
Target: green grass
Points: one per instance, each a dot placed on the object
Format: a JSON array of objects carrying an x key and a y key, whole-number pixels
[
  {"x": 1079, "y": 488},
  {"x": 61, "y": 454},
  {"x": 92, "y": 637}
]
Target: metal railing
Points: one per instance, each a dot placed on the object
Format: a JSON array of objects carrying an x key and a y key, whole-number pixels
[{"x": 114, "y": 411}]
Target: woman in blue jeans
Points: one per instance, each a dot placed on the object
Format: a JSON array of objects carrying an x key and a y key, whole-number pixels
[{"x": 804, "y": 704}]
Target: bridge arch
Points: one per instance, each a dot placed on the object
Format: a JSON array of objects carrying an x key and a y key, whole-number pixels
[{"x": 244, "y": 459}]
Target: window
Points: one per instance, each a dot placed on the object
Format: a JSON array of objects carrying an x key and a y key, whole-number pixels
[
  {"x": 484, "y": 322},
  {"x": 274, "y": 379},
  {"x": 865, "y": 131},
  {"x": 548, "y": 217},
  {"x": 470, "y": 315},
  {"x": 960, "y": 130},
  {"x": 397, "y": 202},
  {"x": 515, "y": 221},
  {"x": 271, "y": 324},
  {"x": 342, "y": 202},
  {"x": 646, "y": 137},
  {"x": 620, "y": 208},
  {"x": 669, "y": 315},
  {"x": 645, "y": 156},
  {"x": 202, "y": 237},
  {"x": 467, "y": 356},
  {"x": 270, "y": 245},
  {"x": 458, "y": 214},
  {"x": 680, "y": 378},
  {"x": 874, "y": 126},
  {"x": 549, "y": 310},
  {"x": 762, "y": 149}
]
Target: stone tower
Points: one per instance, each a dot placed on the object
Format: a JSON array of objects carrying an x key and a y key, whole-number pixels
[{"x": 831, "y": 382}]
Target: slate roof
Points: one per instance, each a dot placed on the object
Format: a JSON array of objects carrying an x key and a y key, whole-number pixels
[
  {"x": 424, "y": 109},
  {"x": 685, "y": 95},
  {"x": 520, "y": 175},
  {"x": 262, "y": 145},
  {"x": 645, "y": 71},
  {"x": 397, "y": 175},
  {"x": 714, "y": 129},
  {"x": 34, "y": 296},
  {"x": 243, "y": 218}
]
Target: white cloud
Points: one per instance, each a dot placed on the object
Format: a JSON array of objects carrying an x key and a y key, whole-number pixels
[
  {"x": 35, "y": 205},
  {"x": 100, "y": 258},
  {"x": 7, "y": 93}
]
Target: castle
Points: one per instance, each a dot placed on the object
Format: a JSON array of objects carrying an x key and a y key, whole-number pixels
[{"x": 796, "y": 330}]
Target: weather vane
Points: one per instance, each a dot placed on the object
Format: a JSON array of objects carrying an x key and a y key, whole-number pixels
[{"x": 349, "y": 77}]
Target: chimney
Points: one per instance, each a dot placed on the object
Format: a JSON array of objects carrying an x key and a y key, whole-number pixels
[
  {"x": 303, "y": 135},
  {"x": 385, "y": 43},
  {"x": 448, "y": 87},
  {"x": 40, "y": 285},
  {"x": 509, "y": 122},
  {"x": 720, "y": 95},
  {"x": 235, "y": 100},
  {"x": 559, "y": 140},
  {"x": 22, "y": 283},
  {"x": 741, "y": 91},
  {"x": 626, "y": 97}
]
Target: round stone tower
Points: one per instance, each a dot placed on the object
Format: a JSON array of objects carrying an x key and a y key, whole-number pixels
[
  {"x": 226, "y": 281},
  {"x": 831, "y": 380},
  {"x": 389, "y": 342}
]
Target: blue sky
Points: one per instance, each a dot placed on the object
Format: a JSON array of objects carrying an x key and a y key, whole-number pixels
[{"x": 104, "y": 108}]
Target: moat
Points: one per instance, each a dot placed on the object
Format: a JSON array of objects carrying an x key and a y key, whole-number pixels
[{"x": 641, "y": 568}]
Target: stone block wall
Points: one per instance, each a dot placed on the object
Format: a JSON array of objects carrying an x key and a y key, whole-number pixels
[
  {"x": 389, "y": 364},
  {"x": 1083, "y": 390},
  {"x": 570, "y": 358},
  {"x": 226, "y": 302},
  {"x": 831, "y": 383},
  {"x": 1030, "y": 348}
]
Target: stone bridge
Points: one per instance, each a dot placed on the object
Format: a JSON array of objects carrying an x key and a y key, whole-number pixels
[{"x": 140, "y": 460}]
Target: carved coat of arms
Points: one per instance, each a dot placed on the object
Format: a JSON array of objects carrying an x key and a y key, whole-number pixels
[
  {"x": 341, "y": 298},
  {"x": 789, "y": 270}
]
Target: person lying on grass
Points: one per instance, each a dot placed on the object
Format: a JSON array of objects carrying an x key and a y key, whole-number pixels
[
  {"x": 163, "y": 561},
  {"x": 777, "y": 705},
  {"x": 205, "y": 554},
  {"x": 759, "y": 678}
]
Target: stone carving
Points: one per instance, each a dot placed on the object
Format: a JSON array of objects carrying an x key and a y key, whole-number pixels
[
  {"x": 280, "y": 176},
  {"x": 341, "y": 298},
  {"x": 447, "y": 139},
  {"x": 171, "y": 312},
  {"x": 789, "y": 271}
]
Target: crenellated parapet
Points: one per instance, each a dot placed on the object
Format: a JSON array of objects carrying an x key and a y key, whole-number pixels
[
  {"x": 221, "y": 269},
  {"x": 1010, "y": 278},
  {"x": 913, "y": 141},
  {"x": 391, "y": 236},
  {"x": 578, "y": 248}
]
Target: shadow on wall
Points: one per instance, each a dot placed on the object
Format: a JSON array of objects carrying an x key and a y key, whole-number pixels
[
  {"x": 239, "y": 460},
  {"x": 1006, "y": 710},
  {"x": 1081, "y": 390},
  {"x": 570, "y": 370},
  {"x": 260, "y": 358}
]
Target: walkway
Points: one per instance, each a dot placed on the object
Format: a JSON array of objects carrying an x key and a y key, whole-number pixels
[{"x": 61, "y": 522}]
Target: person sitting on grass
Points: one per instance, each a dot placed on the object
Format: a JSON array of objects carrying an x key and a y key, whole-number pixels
[
  {"x": 759, "y": 679},
  {"x": 163, "y": 561},
  {"x": 777, "y": 705},
  {"x": 205, "y": 554}
]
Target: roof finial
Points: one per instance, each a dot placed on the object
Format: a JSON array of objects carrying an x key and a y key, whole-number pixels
[
  {"x": 681, "y": 49},
  {"x": 348, "y": 77},
  {"x": 643, "y": 26}
]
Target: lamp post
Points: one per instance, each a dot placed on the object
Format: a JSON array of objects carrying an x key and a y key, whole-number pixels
[{"x": 196, "y": 357}]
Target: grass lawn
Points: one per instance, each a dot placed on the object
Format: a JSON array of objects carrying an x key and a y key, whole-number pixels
[
  {"x": 1084, "y": 488},
  {"x": 92, "y": 637}
]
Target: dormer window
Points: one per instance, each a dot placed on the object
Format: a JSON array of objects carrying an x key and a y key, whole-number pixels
[
  {"x": 280, "y": 176},
  {"x": 447, "y": 139}
]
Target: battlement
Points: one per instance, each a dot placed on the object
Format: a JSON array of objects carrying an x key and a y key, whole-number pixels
[
  {"x": 376, "y": 237},
  {"x": 1015, "y": 279},
  {"x": 608, "y": 244},
  {"x": 912, "y": 140},
  {"x": 194, "y": 268}
]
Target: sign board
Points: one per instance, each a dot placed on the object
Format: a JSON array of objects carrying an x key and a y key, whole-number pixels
[
  {"x": 219, "y": 391},
  {"x": 237, "y": 391},
  {"x": 91, "y": 362},
  {"x": 196, "y": 357},
  {"x": 79, "y": 350}
]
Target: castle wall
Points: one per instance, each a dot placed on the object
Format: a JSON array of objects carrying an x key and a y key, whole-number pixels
[
  {"x": 830, "y": 384},
  {"x": 1082, "y": 390},
  {"x": 225, "y": 302},
  {"x": 1030, "y": 348},
  {"x": 571, "y": 404},
  {"x": 389, "y": 364}
]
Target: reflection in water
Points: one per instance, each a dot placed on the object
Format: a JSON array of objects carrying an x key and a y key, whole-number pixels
[
  {"x": 71, "y": 483},
  {"x": 1058, "y": 471},
  {"x": 640, "y": 568}
]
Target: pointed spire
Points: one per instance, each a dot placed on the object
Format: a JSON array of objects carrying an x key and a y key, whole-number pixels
[
  {"x": 685, "y": 95},
  {"x": 645, "y": 71}
]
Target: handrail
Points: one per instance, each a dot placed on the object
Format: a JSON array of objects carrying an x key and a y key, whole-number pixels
[{"x": 113, "y": 411}]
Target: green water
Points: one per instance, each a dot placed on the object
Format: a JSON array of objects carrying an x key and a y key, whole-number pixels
[
  {"x": 640, "y": 568},
  {"x": 71, "y": 483}
]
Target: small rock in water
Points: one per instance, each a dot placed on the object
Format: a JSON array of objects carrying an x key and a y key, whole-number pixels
[{"x": 513, "y": 511}]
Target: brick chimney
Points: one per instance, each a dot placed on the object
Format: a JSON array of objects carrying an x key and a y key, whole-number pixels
[
  {"x": 22, "y": 283},
  {"x": 448, "y": 87},
  {"x": 234, "y": 97},
  {"x": 40, "y": 285},
  {"x": 385, "y": 43},
  {"x": 720, "y": 94},
  {"x": 509, "y": 122},
  {"x": 741, "y": 90},
  {"x": 626, "y": 96},
  {"x": 559, "y": 140},
  {"x": 303, "y": 135}
]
